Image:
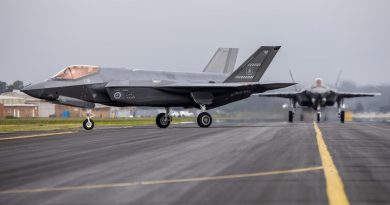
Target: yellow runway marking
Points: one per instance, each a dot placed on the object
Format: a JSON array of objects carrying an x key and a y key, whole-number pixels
[
  {"x": 155, "y": 182},
  {"x": 334, "y": 184},
  {"x": 36, "y": 135}
]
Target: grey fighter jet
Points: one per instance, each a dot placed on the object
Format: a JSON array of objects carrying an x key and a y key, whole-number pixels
[
  {"x": 317, "y": 96},
  {"x": 83, "y": 86}
]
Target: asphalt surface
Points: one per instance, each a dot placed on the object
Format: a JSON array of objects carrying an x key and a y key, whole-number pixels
[{"x": 251, "y": 163}]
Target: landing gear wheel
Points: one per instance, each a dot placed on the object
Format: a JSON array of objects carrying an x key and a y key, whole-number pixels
[
  {"x": 342, "y": 116},
  {"x": 290, "y": 116},
  {"x": 163, "y": 121},
  {"x": 204, "y": 119},
  {"x": 318, "y": 117},
  {"x": 88, "y": 124}
]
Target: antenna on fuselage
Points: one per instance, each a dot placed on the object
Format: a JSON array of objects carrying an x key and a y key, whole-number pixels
[
  {"x": 293, "y": 81},
  {"x": 338, "y": 79}
]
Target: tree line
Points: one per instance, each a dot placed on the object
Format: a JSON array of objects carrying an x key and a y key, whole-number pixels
[{"x": 4, "y": 87}]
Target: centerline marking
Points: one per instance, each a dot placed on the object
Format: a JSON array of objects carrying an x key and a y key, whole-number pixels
[
  {"x": 156, "y": 182},
  {"x": 36, "y": 135},
  {"x": 334, "y": 185}
]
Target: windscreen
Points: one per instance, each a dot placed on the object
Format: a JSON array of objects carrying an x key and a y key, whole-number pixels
[{"x": 75, "y": 72}]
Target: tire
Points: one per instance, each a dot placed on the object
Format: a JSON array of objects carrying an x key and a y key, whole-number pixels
[
  {"x": 204, "y": 119},
  {"x": 318, "y": 117},
  {"x": 162, "y": 121},
  {"x": 342, "y": 116},
  {"x": 88, "y": 125},
  {"x": 290, "y": 116}
]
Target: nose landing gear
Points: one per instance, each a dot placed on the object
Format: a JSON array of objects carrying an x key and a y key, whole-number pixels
[{"x": 88, "y": 123}]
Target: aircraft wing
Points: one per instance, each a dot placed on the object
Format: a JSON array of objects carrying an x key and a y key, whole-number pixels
[
  {"x": 257, "y": 87},
  {"x": 353, "y": 94},
  {"x": 280, "y": 95},
  {"x": 193, "y": 87}
]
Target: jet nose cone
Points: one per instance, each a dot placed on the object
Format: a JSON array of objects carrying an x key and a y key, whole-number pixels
[{"x": 34, "y": 90}]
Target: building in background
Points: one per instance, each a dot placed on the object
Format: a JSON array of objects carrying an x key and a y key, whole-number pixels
[
  {"x": 45, "y": 109},
  {"x": 64, "y": 111},
  {"x": 18, "y": 104},
  {"x": 21, "y": 110},
  {"x": 16, "y": 107},
  {"x": 1, "y": 110}
]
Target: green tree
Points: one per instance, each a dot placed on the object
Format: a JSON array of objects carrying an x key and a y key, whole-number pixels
[
  {"x": 18, "y": 85},
  {"x": 359, "y": 107},
  {"x": 3, "y": 87}
]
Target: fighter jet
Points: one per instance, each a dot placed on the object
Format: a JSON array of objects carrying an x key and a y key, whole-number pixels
[
  {"x": 317, "y": 96},
  {"x": 84, "y": 85}
]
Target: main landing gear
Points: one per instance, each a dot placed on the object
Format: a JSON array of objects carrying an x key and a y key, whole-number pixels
[
  {"x": 342, "y": 116},
  {"x": 290, "y": 116},
  {"x": 88, "y": 124},
  {"x": 291, "y": 112},
  {"x": 164, "y": 119},
  {"x": 340, "y": 111},
  {"x": 204, "y": 119}
]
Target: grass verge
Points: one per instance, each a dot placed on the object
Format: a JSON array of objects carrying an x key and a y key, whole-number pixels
[{"x": 33, "y": 124}]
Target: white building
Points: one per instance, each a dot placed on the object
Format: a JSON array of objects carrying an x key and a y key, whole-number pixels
[{"x": 45, "y": 109}]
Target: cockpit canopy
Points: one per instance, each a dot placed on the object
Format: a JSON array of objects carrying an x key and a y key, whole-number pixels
[
  {"x": 75, "y": 72},
  {"x": 318, "y": 82}
]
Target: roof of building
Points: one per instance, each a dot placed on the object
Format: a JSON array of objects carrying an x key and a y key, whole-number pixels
[
  {"x": 3, "y": 97},
  {"x": 20, "y": 105},
  {"x": 18, "y": 93}
]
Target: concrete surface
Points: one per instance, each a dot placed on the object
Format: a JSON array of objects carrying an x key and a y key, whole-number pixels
[{"x": 228, "y": 163}]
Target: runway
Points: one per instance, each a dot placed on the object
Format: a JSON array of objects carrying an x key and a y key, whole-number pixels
[{"x": 228, "y": 163}]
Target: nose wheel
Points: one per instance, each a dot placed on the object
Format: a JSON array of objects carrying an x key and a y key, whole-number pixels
[
  {"x": 88, "y": 123},
  {"x": 318, "y": 116}
]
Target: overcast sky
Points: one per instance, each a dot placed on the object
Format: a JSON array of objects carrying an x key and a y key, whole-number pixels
[{"x": 318, "y": 38}]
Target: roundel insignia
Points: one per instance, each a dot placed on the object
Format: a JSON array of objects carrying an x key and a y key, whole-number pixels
[
  {"x": 117, "y": 95},
  {"x": 249, "y": 70},
  {"x": 266, "y": 52}
]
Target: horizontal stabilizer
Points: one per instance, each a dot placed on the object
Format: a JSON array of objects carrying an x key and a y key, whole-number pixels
[{"x": 354, "y": 95}]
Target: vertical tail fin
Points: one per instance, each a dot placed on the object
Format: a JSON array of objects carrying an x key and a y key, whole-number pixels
[
  {"x": 223, "y": 61},
  {"x": 255, "y": 66},
  {"x": 338, "y": 79},
  {"x": 293, "y": 81}
]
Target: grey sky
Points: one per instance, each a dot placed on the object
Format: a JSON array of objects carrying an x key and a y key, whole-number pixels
[{"x": 318, "y": 38}]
